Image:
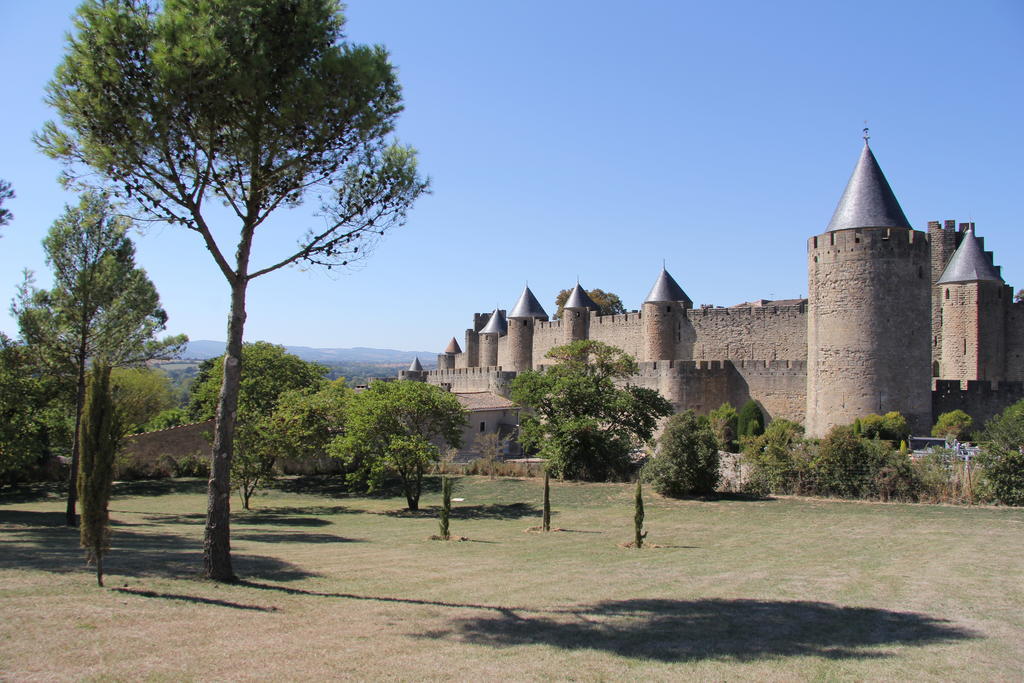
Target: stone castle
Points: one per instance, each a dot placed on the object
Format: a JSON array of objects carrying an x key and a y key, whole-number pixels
[{"x": 895, "y": 319}]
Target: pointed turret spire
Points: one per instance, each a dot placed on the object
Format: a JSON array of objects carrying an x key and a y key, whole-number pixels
[
  {"x": 496, "y": 324},
  {"x": 528, "y": 307},
  {"x": 415, "y": 366},
  {"x": 666, "y": 289},
  {"x": 868, "y": 201},
  {"x": 453, "y": 347},
  {"x": 969, "y": 263},
  {"x": 578, "y": 298}
]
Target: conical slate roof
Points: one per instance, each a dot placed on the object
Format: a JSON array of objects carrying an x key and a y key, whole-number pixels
[
  {"x": 868, "y": 201},
  {"x": 496, "y": 324},
  {"x": 666, "y": 289},
  {"x": 578, "y": 298},
  {"x": 969, "y": 263},
  {"x": 528, "y": 307},
  {"x": 453, "y": 347},
  {"x": 415, "y": 366}
]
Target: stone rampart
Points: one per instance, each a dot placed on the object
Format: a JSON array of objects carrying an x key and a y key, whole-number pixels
[
  {"x": 978, "y": 398},
  {"x": 472, "y": 379},
  {"x": 749, "y": 332}
]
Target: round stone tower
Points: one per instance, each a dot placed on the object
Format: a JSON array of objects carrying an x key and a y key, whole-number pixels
[
  {"x": 521, "y": 322},
  {"x": 663, "y": 310},
  {"x": 446, "y": 360},
  {"x": 489, "y": 335},
  {"x": 869, "y": 310},
  {"x": 576, "y": 315},
  {"x": 974, "y": 300}
]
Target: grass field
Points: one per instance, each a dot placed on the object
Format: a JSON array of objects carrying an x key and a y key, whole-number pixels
[{"x": 351, "y": 587}]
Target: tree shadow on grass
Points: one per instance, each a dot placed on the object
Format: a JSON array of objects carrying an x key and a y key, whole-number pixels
[
  {"x": 292, "y": 537},
  {"x": 33, "y": 492},
  {"x": 490, "y": 511},
  {"x": 40, "y": 541},
  {"x": 158, "y": 487},
  {"x": 683, "y": 630},
  {"x": 194, "y": 599}
]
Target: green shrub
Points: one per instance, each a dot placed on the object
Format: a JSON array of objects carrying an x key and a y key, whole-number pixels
[
  {"x": 956, "y": 424},
  {"x": 771, "y": 457},
  {"x": 723, "y": 421},
  {"x": 687, "y": 458},
  {"x": 750, "y": 420},
  {"x": 1003, "y": 455},
  {"x": 192, "y": 465},
  {"x": 889, "y": 427}
]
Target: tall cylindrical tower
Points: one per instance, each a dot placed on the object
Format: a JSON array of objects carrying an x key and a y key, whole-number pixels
[
  {"x": 663, "y": 310},
  {"x": 493, "y": 330},
  {"x": 869, "y": 310},
  {"x": 521, "y": 322},
  {"x": 576, "y": 315}
]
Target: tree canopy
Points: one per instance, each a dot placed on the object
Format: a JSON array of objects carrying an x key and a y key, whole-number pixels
[
  {"x": 608, "y": 303},
  {"x": 101, "y": 308},
  {"x": 398, "y": 427},
  {"x": 581, "y": 421},
  {"x": 271, "y": 372},
  {"x": 5, "y": 193},
  {"x": 255, "y": 105}
]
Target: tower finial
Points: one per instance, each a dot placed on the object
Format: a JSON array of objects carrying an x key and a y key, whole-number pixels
[{"x": 866, "y": 135}]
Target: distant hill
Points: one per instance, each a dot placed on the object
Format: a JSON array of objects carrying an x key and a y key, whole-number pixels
[{"x": 203, "y": 349}]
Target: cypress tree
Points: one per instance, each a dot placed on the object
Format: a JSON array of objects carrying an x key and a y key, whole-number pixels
[
  {"x": 98, "y": 439},
  {"x": 446, "y": 506},
  {"x": 547, "y": 502},
  {"x": 750, "y": 421},
  {"x": 638, "y": 517}
]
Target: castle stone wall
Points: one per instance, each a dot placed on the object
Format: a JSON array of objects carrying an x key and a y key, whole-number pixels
[
  {"x": 624, "y": 331},
  {"x": 1015, "y": 342},
  {"x": 980, "y": 399},
  {"x": 943, "y": 239},
  {"x": 748, "y": 332},
  {"x": 472, "y": 379},
  {"x": 778, "y": 386}
]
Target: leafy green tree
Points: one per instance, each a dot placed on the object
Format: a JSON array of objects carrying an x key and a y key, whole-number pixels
[
  {"x": 581, "y": 420},
  {"x": 260, "y": 433},
  {"x": 724, "y": 422},
  {"x": 397, "y": 427},
  {"x": 608, "y": 303},
  {"x": 101, "y": 307},
  {"x": 165, "y": 419},
  {"x": 185, "y": 106},
  {"x": 955, "y": 424},
  {"x": 34, "y": 424},
  {"x": 305, "y": 421},
  {"x": 271, "y": 372},
  {"x": 1003, "y": 454},
  {"x": 5, "y": 193},
  {"x": 750, "y": 420},
  {"x": 100, "y": 435},
  {"x": 687, "y": 459},
  {"x": 141, "y": 394}
]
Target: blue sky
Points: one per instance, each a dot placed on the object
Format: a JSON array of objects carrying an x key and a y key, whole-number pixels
[{"x": 593, "y": 140}]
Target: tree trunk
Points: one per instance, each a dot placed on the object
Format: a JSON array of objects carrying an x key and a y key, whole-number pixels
[
  {"x": 217, "y": 539},
  {"x": 99, "y": 567},
  {"x": 71, "y": 519}
]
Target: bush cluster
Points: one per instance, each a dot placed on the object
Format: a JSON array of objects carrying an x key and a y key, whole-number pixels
[{"x": 686, "y": 462}]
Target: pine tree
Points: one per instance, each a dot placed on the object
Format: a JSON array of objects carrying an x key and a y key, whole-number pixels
[{"x": 98, "y": 437}]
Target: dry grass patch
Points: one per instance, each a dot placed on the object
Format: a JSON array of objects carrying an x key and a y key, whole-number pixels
[{"x": 350, "y": 587}]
